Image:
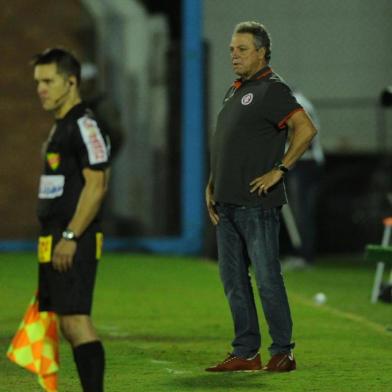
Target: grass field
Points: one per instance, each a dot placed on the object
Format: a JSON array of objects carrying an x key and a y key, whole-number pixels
[{"x": 164, "y": 319}]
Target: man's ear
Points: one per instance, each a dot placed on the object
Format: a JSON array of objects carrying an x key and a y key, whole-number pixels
[
  {"x": 262, "y": 52},
  {"x": 72, "y": 81}
]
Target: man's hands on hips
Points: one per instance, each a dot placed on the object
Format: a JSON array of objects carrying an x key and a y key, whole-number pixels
[
  {"x": 63, "y": 255},
  {"x": 266, "y": 181},
  {"x": 211, "y": 205}
]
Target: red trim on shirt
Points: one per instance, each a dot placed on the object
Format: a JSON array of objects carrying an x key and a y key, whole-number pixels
[
  {"x": 267, "y": 72},
  {"x": 282, "y": 123},
  {"x": 238, "y": 83}
]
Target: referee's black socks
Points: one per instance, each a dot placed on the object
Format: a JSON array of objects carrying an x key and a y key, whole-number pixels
[{"x": 90, "y": 361}]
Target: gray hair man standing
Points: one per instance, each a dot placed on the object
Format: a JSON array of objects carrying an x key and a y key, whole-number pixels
[{"x": 246, "y": 192}]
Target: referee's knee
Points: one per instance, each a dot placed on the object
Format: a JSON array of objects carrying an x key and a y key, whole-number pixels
[{"x": 76, "y": 329}]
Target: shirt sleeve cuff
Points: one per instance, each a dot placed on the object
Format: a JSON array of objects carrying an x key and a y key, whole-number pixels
[{"x": 282, "y": 123}]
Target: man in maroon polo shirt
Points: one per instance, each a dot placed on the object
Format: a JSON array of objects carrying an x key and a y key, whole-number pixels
[{"x": 246, "y": 192}]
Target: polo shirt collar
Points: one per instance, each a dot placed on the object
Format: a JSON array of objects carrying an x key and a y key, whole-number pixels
[
  {"x": 264, "y": 72},
  {"x": 261, "y": 74}
]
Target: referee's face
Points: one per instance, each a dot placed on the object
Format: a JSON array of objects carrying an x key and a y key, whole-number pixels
[
  {"x": 53, "y": 88},
  {"x": 245, "y": 58}
]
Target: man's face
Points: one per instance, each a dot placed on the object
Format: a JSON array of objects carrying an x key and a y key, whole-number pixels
[
  {"x": 245, "y": 58},
  {"x": 53, "y": 88}
]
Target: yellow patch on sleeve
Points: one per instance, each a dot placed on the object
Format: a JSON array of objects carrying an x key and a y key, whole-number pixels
[
  {"x": 99, "y": 245},
  {"x": 45, "y": 249}
]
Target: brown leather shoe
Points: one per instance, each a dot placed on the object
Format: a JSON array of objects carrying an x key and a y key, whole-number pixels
[
  {"x": 281, "y": 363},
  {"x": 237, "y": 364}
]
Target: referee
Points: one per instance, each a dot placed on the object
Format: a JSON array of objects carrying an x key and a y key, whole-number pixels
[{"x": 71, "y": 190}]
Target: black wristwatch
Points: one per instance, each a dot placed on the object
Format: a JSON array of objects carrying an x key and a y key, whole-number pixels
[
  {"x": 281, "y": 167},
  {"x": 69, "y": 235}
]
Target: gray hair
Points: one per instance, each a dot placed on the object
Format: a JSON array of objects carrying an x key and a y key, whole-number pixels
[{"x": 261, "y": 37}]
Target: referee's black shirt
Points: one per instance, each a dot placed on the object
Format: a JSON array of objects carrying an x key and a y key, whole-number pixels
[{"x": 75, "y": 142}]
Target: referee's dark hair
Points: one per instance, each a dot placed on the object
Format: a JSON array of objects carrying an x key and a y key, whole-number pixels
[
  {"x": 66, "y": 62},
  {"x": 260, "y": 34}
]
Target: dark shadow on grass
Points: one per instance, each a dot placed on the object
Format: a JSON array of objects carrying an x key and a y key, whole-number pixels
[{"x": 157, "y": 338}]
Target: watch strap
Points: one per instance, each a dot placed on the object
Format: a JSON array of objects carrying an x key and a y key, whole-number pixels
[{"x": 280, "y": 166}]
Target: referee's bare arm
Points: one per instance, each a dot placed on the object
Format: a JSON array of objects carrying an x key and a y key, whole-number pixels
[
  {"x": 89, "y": 203},
  {"x": 90, "y": 200}
]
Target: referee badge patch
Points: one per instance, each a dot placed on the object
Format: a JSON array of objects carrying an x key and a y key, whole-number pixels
[
  {"x": 44, "y": 249},
  {"x": 53, "y": 160},
  {"x": 51, "y": 186},
  {"x": 247, "y": 99},
  {"x": 93, "y": 140}
]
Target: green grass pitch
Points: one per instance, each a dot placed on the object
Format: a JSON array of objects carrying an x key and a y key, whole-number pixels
[{"x": 164, "y": 319}]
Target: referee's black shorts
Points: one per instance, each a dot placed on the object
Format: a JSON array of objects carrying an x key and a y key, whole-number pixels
[{"x": 70, "y": 292}]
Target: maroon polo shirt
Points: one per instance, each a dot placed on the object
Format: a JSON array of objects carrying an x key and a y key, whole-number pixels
[{"x": 250, "y": 139}]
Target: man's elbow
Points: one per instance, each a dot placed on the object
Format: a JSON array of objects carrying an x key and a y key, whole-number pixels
[
  {"x": 312, "y": 132},
  {"x": 98, "y": 191},
  {"x": 101, "y": 191},
  {"x": 97, "y": 184},
  {"x": 104, "y": 191}
]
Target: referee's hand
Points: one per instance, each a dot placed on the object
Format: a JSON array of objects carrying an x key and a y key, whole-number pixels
[{"x": 63, "y": 255}]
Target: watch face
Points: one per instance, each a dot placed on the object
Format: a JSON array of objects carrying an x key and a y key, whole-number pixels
[{"x": 68, "y": 235}]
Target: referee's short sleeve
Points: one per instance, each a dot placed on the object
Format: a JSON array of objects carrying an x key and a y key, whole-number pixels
[
  {"x": 92, "y": 145},
  {"x": 280, "y": 104}
]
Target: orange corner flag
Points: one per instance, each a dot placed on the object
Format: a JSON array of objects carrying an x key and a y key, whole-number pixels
[{"x": 35, "y": 345}]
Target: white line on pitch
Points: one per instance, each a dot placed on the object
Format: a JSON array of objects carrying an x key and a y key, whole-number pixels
[
  {"x": 342, "y": 314},
  {"x": 177, "y": 372}
]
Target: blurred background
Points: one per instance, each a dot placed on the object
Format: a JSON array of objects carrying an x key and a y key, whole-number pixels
[{"x": 155, "y": 73}]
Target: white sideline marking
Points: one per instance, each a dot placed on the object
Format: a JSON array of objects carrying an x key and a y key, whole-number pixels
[
  {"x": 114, "y": 331},
  {"x": 345, "y": 315},
  {"x": 160, "y": 362},
  {"x": 177, "y": 372},
  {"x": 110, "y": 328},
  {"x": 170, "y": 370},
  {"x": 119, "y": 334}
]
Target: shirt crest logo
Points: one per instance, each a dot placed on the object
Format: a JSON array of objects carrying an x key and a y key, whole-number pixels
[
  {"x": 53, "y": 159},
  {"x": 247, "y": 99}
]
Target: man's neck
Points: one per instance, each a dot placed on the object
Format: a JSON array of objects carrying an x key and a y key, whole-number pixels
[
  {"x": 64, "y": 109},
  {"x": 263, "y": 65}
]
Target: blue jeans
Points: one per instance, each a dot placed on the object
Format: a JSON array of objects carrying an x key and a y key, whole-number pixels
[{"x": 248, "y": 235}]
